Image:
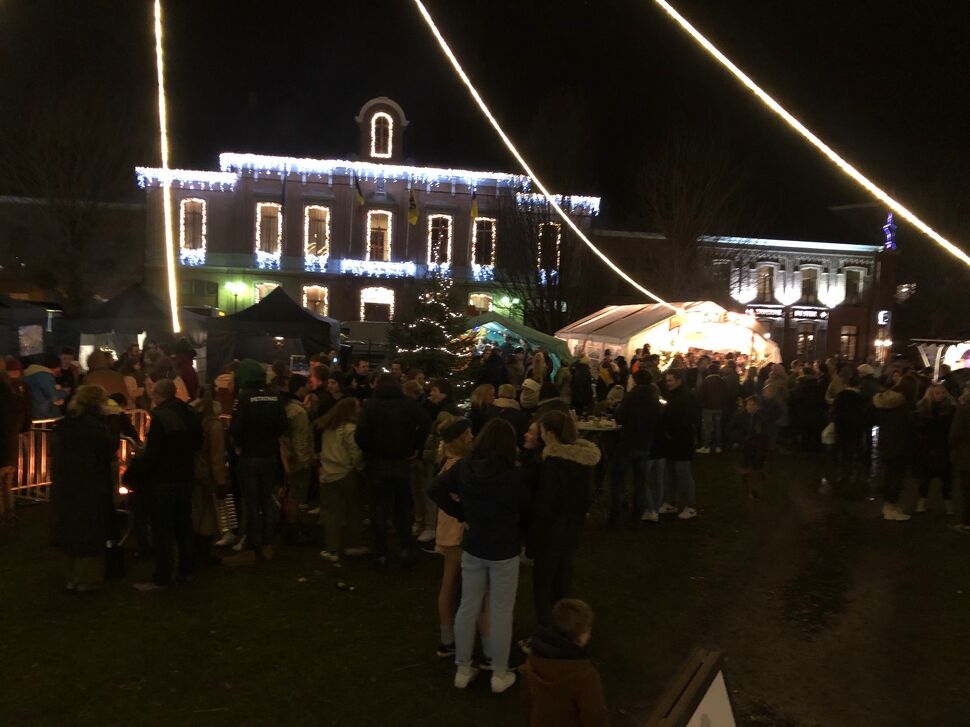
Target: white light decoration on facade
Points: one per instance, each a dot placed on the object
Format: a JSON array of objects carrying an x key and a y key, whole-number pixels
[
  {"x": 379, "y": 221},
  {"x": 262, "y": 289},
  {"x": 378, "y": 268},
  {"x": 170, "y": 264},
  {"x": 316, "y": 298},
  {"x": 488, "y": 226},
  {"x": 316, "y": 237},
  {"x": 190, "y": 253},
  {"x": 522, "y": 162},
  {"x": 379, "y": 296},
  {"x": 849, "y": 170},
  {"x": 269, "y": 259},
  {"x": 574, "y": 203},
  {"x": 234, "y": 162},
  {"x": 186, "y": 178},
  {"x": 381, "y": 135},
  {"x": 483, "y": 273},
  {"x": 558, "y": 241},
  {"x": 439, "y": 226}
]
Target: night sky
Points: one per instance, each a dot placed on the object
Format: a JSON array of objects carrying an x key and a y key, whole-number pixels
[{"x": 588, "y": 88}]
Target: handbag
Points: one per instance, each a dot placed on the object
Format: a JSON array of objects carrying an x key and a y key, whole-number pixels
[{"x": 828, "y": 434}]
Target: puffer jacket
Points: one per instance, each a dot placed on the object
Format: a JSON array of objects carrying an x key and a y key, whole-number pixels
[
  {"x": 562, "y": 497},
  {"x": 339, "y": 453},
  {"x": 45, "y": 398}
]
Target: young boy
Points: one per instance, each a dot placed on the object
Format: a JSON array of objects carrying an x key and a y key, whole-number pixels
[
  {"x": 563, "y": 687},
  {"x": 751, "y": 433}
]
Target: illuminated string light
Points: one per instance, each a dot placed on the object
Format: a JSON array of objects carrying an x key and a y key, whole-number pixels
[
  {"x": 558, "y": 230},
  {"x": 522, "y": 162},
  {"x": 377, "y": 149},
  {"x": 377, "y": 221},
  {"x": 439, "y": 225},
  {"x": 269, "y": 259},
  {"x": 315, "y": 259},
  {"x": 189, "y": 252},
  {"x": 575, "y": 203},
  {"x": 186, "y": 178},
  {"x": 483, "y": 272},
  {"x": 379, "y": 296},
  {"x": 322, "y": 296},
  {"x": 170, "y": 261},
  {"x": 811, "y": 138},
  {"x": 378, "y": 268}
]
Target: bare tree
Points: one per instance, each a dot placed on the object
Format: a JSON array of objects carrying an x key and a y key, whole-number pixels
[{"x": 74, "y": 159}]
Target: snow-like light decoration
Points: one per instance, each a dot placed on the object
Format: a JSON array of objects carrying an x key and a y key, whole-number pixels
[
  {"x": 314, "y": 256},
  {"x": 847, "y": 169},
  {"x": 319, "y": 303},
  {"x": 758, "y": 242},
  {"x": 577, "y": 204},
  {"x": 438, "y": 226},
  {"x": 378, "y": 268},
  {"x": 379, "y": 296},
  {"x": 488, "y": 225},
  {"x": 377, "y": 221},
  {"x": 381, "y": 124},
  {"x": 522, "y": 162},
  {"x": 192, "y": 254},
  {"x": 542, "y": 233},
  {"x": 483, "y": 273},
  {"x": 170, "y": 264},
  {"x": 186, "y": 178},
  {"x": 433, "y": 176},
  {"x": 269, "y": 259}
]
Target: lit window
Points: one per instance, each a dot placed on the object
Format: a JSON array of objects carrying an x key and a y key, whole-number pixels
[
  {"x": 810, "y": 285},
  {"x": 805, "y": 340},
  {"x": 483, "y": 241},
  {"x": 269, "y": 234},
  {"x": 316, "y": 299},
  {"x": 848, "y": 342},
  {"x": 379, "y": 235},
  {"x": 480, "y": 301},
  {"x": 381, "y": 128},
  {"x": 316, "y": 236},
  {"x": 192, "y": 231},
  {"x": 853, "y": 287},
  {"x": 377, "y": 304},
  {"x": 261, "y": 290},
  {"x": 550, "y": 237},
  {"x": 439, "y": 240},
  {"x": 766, "y": 283}
]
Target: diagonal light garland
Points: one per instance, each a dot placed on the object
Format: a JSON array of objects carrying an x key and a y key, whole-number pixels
[
  {"x": 798, "y": 126},
  {"x": 166, "y": 179},
  {"x": 524, "y": 164}
]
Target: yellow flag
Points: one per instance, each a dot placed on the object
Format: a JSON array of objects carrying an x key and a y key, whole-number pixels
[{"x": 413, "y": 210}]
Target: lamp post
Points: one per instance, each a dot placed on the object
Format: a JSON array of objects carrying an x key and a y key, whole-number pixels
[{"x": 235, "y": 287}]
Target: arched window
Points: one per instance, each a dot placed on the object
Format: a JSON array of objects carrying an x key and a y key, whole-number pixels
[{"x": 381, "y": 130}]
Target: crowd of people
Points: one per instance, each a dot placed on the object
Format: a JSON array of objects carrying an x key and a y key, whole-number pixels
[{"x": 346, "y": 458}]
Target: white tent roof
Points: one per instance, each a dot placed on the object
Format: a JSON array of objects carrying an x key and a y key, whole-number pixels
[{"x": 619, "y": 323}]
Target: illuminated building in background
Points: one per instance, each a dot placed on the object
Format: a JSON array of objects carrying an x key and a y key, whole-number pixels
[{"x": 260, "y": 221}]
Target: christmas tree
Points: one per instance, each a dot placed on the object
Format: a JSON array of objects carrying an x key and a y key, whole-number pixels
[{"x": 436, "y": 338}]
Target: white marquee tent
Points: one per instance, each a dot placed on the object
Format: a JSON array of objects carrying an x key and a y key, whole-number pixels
[{"x": 702, "y": 325}]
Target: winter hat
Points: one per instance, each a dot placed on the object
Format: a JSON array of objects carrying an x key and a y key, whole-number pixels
[
  {"x": 455, "y": 429},
  {"x": 250, "y": 374},
  {"x": 532, "y": 385},
  {"x": 506, "y": 391},
  {"x": 865, "y": 370}
]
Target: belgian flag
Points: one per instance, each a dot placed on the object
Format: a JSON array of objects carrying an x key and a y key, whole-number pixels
[
  {"x": 413, "y": 209},
  {"x": 474, "y": 204}
]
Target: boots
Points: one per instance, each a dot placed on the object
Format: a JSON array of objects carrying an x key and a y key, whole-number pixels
[{"x": 892, "y": 511}]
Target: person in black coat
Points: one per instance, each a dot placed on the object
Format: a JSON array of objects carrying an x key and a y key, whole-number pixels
[
  {"x": 638, "y": 415},
  {"x": 173, "y": 439},
  {"x": 82, "y": 490},
  {"x": 897, "y": 435},
  {"x": 680, "y": 424},
  {"x": 391, "y": 432},
  {"x": 559, "y": 510},
  {"x": 850, "y": 416},
  {"x": 581, "y": 386},
  {"x": 506, "y": 407},
  {"x": 808, "y": 409}
]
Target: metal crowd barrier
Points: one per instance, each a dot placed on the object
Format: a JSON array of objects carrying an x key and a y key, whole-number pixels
[{"x": 32, "y": 480}]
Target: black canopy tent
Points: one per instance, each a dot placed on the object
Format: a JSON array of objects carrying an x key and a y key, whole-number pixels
[{"x": 275, "y": 328}]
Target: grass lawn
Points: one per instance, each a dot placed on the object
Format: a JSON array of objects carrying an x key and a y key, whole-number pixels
[{"x": 828, "y": 616}]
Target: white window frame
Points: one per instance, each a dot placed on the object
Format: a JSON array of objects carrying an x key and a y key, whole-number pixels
[
  {"x": 774, "y": 268},
  {"x": 475, "y": 241},
  {"x": 326, "y": 299},
  {"x": 379, "y": 295},
  {"x": 269, "y": 259},
  {"x": 314, "y": 260},
  {"x": 383, "y": 115},
  {"x": 451, "y": 227},
  {"x": 542, "y": 228},
  {"x": 191, "y": 255},
  {"x": 387, "y": 242},
  {"x": 818, "y": 280}
]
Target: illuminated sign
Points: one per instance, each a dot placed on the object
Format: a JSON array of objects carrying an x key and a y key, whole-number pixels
[
  {"x": 810, "y": 314},
  {"x": 883, "y": 317},
  {"x": 764, "y": 311}
]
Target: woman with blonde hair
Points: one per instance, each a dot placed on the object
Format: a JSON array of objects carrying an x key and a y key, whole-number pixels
[
  {"x": 340, "y": 462},
  {"x": 82, "y": 504},
  {"x": 482, "y": 398}
]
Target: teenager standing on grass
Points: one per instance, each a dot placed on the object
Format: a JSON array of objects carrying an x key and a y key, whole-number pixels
[
  {"x": 340, "y": 463},
  {"x": 488, "y": 492}
]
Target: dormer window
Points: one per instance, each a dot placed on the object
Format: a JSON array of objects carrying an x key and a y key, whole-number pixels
[{"x": 381, "y": 129}]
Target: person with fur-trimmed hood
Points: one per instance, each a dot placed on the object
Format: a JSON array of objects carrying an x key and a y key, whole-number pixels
[{"x": 559, "y": 510}]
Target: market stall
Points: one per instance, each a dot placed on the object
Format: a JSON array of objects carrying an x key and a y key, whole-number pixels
[
  {"x": 699, "y": 326},
  {"x": 494, "y": 329}
]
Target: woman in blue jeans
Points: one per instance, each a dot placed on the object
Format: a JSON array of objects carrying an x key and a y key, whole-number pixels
[{"x": 489, "y": 493}]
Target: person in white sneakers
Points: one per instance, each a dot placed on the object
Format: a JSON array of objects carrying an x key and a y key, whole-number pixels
[
  {"x": 340, "y": 464},
  {"x": 679, "y": 420},
  {"x": 894, "y": 415}
]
